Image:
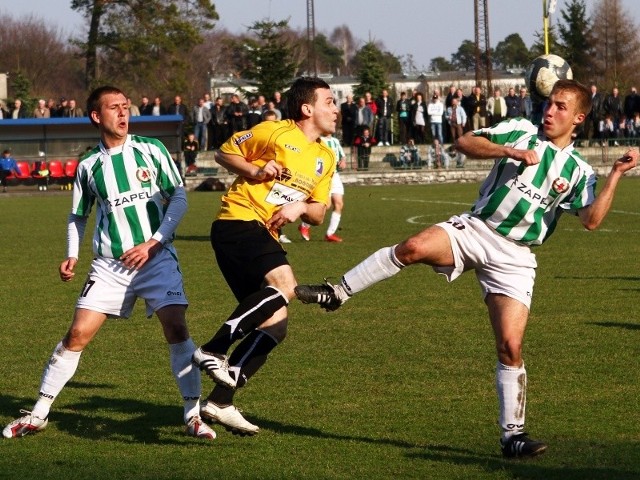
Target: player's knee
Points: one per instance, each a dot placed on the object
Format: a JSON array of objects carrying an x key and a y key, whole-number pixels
[
  {"x": 510, "y": 353},
  {"x": 76, "y": 339},
  {"x": 409, "y": 251}
]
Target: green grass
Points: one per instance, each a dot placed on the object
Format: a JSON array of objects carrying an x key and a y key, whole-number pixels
[{"x": 397, "y": 383}]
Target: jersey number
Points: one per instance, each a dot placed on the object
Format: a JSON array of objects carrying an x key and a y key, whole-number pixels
[{"x": 87, "y": 286}]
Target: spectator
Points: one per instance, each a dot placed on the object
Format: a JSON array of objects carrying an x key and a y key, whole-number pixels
[
  {"x": 272, "y": 107},
  {"x": 281, "y": 104},
  {"x": 73, "y": 111},
  {"x": 410, "y": 155},
  {"x": 364, "y": 117},
  {"x": 607, "y": 129},
  {"x": 369, "y": 102},
  {"x": 385, "y": 109},
  {"x": 63, "y": 106},
  {"x": 19, "y": 110},
  {"x": 348, "y": 114},
  {"x": 236, "y": 115},
  {"x": 41, "y": 111},
  {"x": 476, "y": 109},
  {"x": 7, "y": 165},
  {"x": 200, "y": 117},
  {"x": 262, "y": 103},
  {"x": 612, "y": 106},
  {"x": 177, "y": 107},
  {"x": 592, "y": 122},
  {"x": 158, "y": 109},
  {"x": 513, "y": 104},
  {"x": 418, "y": 114},
  {"x": 526, "y": 108},
  {"x": 146, "y": 109},
  {"x": 403, "y": 108},
  {"x": 363, "y": 144},
  {"x": 435, "y": 111},
  {"x": 631, "y": 103},
  {"x": 4, "y": 113},
  {"x": 496, "y": 107},
  {"x": 254, "y": 114},
  {"x": 190, "y": 148},
  {"x": 134, "y": 111},
  {"x": 450, "y": 96},
  {"x": 437, "y": 156},
  {"x": 52, "y": 106},
  {"x": 456, "y": 118},
  {"x": 219, "y": 125}
]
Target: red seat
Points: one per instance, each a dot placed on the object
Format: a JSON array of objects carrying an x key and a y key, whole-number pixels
[
  {"x": 70, "y": 167},
  {"x": 24, "y": 173},
  {"x": 25, "y": 170},
  {"x": 56, "y": 170}
]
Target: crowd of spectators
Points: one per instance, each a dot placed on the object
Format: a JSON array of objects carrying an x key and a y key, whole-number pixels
[{"x": 421, "y": 119}]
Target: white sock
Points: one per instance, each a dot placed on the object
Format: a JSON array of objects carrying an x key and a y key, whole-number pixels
[
  {"x": 381, "y": 265},
  {"x": 334, "y": 223},
  {"x": 511, "y": 385},
  {"x": 304, "y": 224},
  {"x": 187, "y": 376},
  {"x": 61, "y": 367}
]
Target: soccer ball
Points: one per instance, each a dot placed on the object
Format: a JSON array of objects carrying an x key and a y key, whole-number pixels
[{"x": 543, "y": 72}]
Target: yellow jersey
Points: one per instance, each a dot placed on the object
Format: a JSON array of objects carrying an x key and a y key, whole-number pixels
[{"x": 307, "y": 168}]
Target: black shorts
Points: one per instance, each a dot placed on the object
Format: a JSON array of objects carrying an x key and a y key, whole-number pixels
[{"x": 246, "y": 252}]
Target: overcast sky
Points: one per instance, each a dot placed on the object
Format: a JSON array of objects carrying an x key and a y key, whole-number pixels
[{"x": 405, "y": 27}]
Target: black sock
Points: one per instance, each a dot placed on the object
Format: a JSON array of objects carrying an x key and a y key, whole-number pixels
[
  {"x": 248, "y": 356},
  {"x": 247, "y": 316}
]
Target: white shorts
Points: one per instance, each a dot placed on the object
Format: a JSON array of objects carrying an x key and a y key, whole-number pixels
[
  {"x": 112, "y": 288},
  {"x": 337, "y": 187},
  {"x": 501, "y": 265}
]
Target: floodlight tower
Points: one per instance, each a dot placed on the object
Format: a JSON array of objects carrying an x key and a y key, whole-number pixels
[
  {"x": 312, "y": 66},
  {"x": 484, "y": 69}
]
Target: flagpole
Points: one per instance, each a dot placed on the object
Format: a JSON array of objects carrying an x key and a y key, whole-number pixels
[{"x": 545, "y": 26}]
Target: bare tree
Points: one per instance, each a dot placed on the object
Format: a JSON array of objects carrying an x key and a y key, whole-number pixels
[
  {"x": 615, "y": 45},
  {"x": 41, "y": 54},
  {"x": 342, "y": 38}
]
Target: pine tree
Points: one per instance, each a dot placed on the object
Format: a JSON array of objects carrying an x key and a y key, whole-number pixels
[
  {"x": 576, "y": 41},
  {"x": 370, "y": 70},
  {"x": 269, "y": 61}
]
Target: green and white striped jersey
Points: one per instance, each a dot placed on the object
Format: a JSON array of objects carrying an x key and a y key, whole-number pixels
[
  {"x": 334, "y": 144},
  {"x": 524, "y": 203},
  {"x": 131, "y": 185}
]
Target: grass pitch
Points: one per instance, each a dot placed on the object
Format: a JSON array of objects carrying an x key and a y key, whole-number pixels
[{"x": 398, "y": 383}]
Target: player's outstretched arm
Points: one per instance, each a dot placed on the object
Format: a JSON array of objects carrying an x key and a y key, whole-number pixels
[
  {"x": 593, "y": 215},
  {"x": 477, "y": 146}
]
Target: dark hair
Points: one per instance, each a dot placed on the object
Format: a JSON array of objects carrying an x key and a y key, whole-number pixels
[
  {"x": 582, "y": 93},
  {"x": 303, "y": 90},
  {"x": 95, "y": 99}
]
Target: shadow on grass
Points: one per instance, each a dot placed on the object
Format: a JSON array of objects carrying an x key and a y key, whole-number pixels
[
  {"x": 302, "y": 431},
  {"x": 106, "y": 418},
  {"x": 520, "y": 468},
  {"x": 594, "y": 277},
  {"x": 532, "y": 468},
  {"x": 623, "y": 325}
]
